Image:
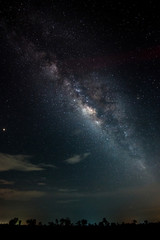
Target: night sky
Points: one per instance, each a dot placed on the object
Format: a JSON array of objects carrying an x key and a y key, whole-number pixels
[{"x": 80, "y": 110}]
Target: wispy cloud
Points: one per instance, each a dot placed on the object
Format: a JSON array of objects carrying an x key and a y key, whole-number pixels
[
  {"x": 13, "y": 194},
  {"x": 20, "y": 163},
  {"x": 77, "y": 158},
  {"x": 41, "y": 184},
  {"x": 45, "y": 165},
  {"x": 5, "y": 182},
  {"x": 67, "y": 201},
  {"x": 67, "y": 190}
]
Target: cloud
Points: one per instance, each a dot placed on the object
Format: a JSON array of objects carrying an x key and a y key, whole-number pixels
[
  {"x": 77, "y": 158},
  {"x": 66, "y": 190},
  {"x": 67, "y": 201},
  {"x": 5, "y": 182},
  {"x": 12, "y": 194},
  {"x": 41, "y": 184},
  {"x": 45, "y": 165},
  {"x": 17, "y": 162}
]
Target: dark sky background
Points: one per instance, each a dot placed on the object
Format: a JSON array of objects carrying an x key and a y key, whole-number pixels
[{"x": 79, "y": 119}]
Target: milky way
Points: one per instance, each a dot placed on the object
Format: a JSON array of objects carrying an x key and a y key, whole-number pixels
[
  {"x": 99, "y": 101},
  {"x": 98, "y": 98}
]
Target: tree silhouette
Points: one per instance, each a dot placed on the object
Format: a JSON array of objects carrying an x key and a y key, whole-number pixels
[
  {"x": 56, "y": 221},
  {"x": 84, "y": 222},
  {"x": 13, "y": 221},
  {"x": 51, "y": 224},
  {"x": 31, "y": 222},
  {"x": 62, "y": 221},
  {"x": 105, "y": 222},
  {"x": 134, "y": 221},
  {"x": 78, "y": 223},
  {"x": 145, "y": 221},
  {"x": 65, "y": 222}
]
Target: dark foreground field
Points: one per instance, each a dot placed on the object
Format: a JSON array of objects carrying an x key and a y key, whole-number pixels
[{"x": 50, "y": 232}]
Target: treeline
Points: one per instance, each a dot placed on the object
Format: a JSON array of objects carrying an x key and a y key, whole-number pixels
[
  {"x": 64, "y": 227},
  {"x": 66, "y": 222},
  {"x": 61, "y": 222}
]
